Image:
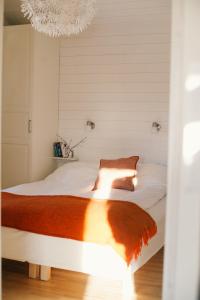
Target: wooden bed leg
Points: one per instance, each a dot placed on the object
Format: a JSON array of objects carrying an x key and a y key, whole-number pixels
[
  {"x": 33, "y": 271},
  {"x": 45, "y": 273}
]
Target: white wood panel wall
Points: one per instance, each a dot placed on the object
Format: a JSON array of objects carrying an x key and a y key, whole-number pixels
[{"x": 116, "y": 74}]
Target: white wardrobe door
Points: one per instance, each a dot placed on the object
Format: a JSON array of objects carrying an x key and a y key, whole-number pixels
[
  {"x": 16, "y": 106},
  {"x": 14, "y": 164}
]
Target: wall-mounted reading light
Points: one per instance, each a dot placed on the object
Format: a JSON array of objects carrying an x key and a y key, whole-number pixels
[
  {"x": 90, "y": 124},
  {"x": 156, "y": 126}
]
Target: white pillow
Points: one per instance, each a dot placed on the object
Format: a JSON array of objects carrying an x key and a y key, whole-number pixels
[
  {"x": 82, "y": 174},
  {"x": 74, "y": 174},
  {"x": 151, "y": 174}
]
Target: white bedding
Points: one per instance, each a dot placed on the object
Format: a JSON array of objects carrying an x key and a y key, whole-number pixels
[{"x": 77, "y": 179}]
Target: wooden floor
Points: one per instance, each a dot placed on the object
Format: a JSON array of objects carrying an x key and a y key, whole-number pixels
[{"x": 76, "y": 286}]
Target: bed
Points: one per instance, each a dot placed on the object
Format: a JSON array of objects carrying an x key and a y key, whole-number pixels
[{"x": 77, "y": 179}]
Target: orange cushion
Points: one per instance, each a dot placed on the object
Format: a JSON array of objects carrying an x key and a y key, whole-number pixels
[{"x": 117, "y": 173}]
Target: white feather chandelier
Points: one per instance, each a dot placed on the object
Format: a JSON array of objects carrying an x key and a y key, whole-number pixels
[{"x": 59, "y": 17}]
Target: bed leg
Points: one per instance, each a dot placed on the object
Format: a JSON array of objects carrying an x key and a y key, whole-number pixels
[
  {"x": 33, "y": 271},
  {"x": 45, "y": 273}
]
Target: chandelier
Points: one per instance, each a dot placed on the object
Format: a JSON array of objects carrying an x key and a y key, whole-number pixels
[{"x": 59, "y": 17}]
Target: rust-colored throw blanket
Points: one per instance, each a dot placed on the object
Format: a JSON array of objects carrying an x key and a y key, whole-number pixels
[{"x": 123, "y": 225}]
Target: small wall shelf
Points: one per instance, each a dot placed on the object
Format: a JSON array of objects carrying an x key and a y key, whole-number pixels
[{"x": 65, "y": 158}]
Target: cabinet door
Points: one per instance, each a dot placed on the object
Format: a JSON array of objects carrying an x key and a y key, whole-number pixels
[
  {"x": 16, "y": 106},
  {"x": 14, "y": 164}
]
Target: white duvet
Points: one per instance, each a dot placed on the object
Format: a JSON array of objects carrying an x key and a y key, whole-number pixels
[{"x": 78, "y": 178}]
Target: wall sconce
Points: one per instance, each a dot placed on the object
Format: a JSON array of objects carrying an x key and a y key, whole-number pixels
[
  {"x": 156, "y": 126},
  {"x": 90, "y": 124}
]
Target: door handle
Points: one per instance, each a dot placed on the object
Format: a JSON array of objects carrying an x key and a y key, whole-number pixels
[{"x": 29, "y": 126}]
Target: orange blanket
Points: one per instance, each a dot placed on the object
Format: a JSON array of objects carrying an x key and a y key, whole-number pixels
[{"x": 123, "y": 225}]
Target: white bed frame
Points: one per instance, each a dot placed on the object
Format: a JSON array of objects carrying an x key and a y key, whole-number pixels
[{"x": 43, "y": 252}]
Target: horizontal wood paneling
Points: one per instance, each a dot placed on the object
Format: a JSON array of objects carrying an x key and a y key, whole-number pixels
[
  {"x": 124, "y": 9},
  {"x": 125, "y": 49},
  {"x": 116, "y": 74},
  {"x": 118, "y": 106},
  {"x": 82, "y": 41},
  {"x": 113, "y": 97},
  {"x": 103, "y": 115},
  {"x": 113, "y": 69},
  {"x": 115, "y": 127},
  {"x": 114, "y": 59},
  {"x": 121, "y": 87},
  {"x": 115, "y": 78}
]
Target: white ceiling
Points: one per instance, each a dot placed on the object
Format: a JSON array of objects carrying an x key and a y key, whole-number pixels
[{"x": 12, "y": 13}]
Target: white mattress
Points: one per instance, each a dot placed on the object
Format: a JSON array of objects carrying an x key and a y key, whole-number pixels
[{"x": 80, "y": 256}]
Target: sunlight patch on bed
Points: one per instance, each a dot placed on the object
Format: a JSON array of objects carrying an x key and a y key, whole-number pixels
[
  {"x": 105, "y": 262},
  {"x": 106, "y": 178},
  {"x": 102, "y": 258},
  {"x": 109, "y": 175},
  {"x": 103, "y": 193},
  {"x": 135, "y": 181}
]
